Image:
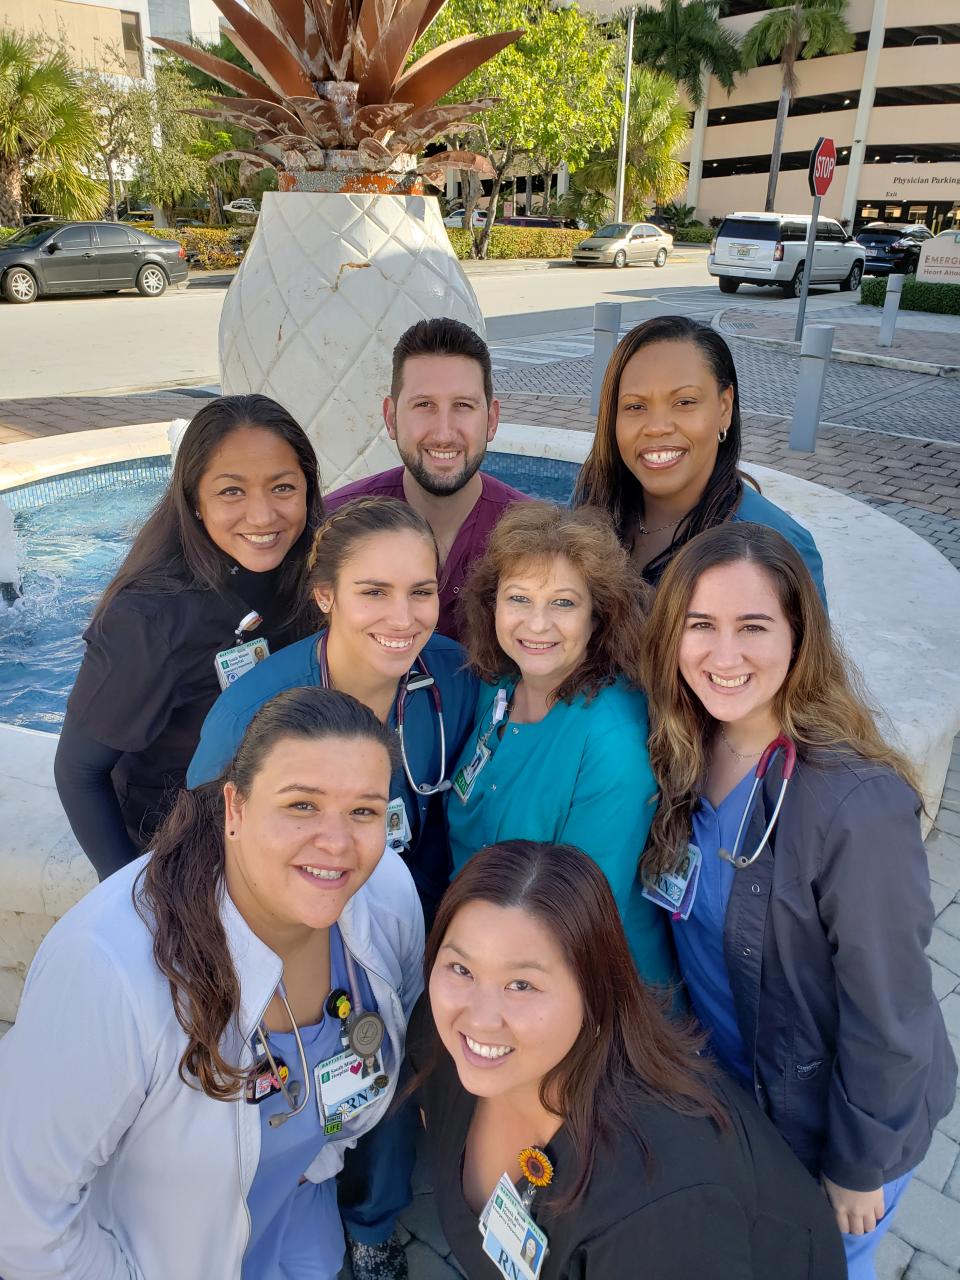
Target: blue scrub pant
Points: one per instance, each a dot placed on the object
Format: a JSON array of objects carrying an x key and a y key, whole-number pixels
[
  {"x": 861, "y": 1251},
  {"x": 374, "y": 1187}
]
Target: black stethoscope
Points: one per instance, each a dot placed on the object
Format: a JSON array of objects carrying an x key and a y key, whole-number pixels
[
  {"x": 781, "y": 743},
  {"x": 410, "y": 683}
]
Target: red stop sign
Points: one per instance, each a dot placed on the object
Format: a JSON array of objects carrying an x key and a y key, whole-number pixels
[{"x": 823, "y": 165}]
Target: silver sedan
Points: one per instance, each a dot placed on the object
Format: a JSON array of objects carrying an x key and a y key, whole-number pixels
[{"x": 621, "y": 243}]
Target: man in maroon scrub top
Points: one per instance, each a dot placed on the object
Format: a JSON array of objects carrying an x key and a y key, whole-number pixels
[{"x": 442, "y": 413}]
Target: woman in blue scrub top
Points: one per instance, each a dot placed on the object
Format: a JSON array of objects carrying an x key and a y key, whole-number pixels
[
  {"x": 163, "y": 1013},
  {"x": 806, "y": 966},
  {"x": 374, "y": 570},
  {"x": 553, "y": 617},
  {"x": 373, "y": 574},
  {"x": 666, "y": 453}
]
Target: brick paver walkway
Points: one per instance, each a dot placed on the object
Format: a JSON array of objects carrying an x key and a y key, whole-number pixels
[
  {"x": 932, "y": 339},
  {"x": 60, "y": 415}
]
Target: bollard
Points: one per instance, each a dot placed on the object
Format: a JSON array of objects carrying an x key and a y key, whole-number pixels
[
  {"x": 814, "y": 361},
  {"x": 891, "y": 309},
  {"x": 606, "y": 334}
]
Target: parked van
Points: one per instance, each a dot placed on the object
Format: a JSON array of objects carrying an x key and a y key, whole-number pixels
[{"x": 769, "y": 248}]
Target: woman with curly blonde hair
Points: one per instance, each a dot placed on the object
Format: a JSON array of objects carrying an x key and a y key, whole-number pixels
[
  {"x": 800, "y": 935},
  {"x": 553, "y": 617}
]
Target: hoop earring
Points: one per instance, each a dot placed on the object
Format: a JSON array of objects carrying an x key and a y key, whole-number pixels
[{"x": 722, "y": 434}]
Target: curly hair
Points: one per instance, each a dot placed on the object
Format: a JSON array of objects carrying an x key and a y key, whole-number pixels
[
  {"x": 820, "y": 704},
  {"x": 538, "y": 532}
]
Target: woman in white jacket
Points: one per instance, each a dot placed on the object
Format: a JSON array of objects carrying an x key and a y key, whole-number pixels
[{"x": 202, "y": 1036}]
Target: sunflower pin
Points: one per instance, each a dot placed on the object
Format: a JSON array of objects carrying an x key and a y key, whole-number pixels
[{"x": 537, "y": 1168}]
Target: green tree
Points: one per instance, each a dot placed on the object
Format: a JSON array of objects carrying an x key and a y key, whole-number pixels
[
  {"x": 795, "y": 29},
  {"x": 171, "y": 162},
  {"x": 118, "y": 104},
  {"x": 657, "y": 131},
  {"x": 555, "y": 90},
  {"x": 47, "y": 133},
  {"x": 684, "y": 38}
]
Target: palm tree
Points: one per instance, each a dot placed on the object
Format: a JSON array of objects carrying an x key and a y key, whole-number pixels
[
  {"x": 657, "y": 130},
  {"x": 331, "y": 76},
  {"x": 684, "y": 38},
  {"x": 47, "y": 134},
  {"x": 795, "y": 29}
]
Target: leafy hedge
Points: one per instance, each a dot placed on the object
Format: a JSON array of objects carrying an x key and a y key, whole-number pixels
[
  {"x": 520, "y": 242},
  {"x": 694, "y": 235},
  {"x": 213, "y": 246},
  {"x": 917, "y": 295},
  {"x": 7, "y": 232}
]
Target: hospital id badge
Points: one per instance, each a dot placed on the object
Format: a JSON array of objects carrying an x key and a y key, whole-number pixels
[
  {"x": 675, "y": 891},
  {"x": 233, "y": 663},
  {"x": 399, "y": 834},
  {"x": 466, "y": 776},
  {"x": 512, "y": 1239},
  {"x": 347, "y": 1084}
]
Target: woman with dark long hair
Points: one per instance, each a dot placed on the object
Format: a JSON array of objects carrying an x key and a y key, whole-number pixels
[
  {"x": 570, "y": 1117},
  {"x": 800, "y": 903},
  {"x": 665, "y": 461},
  {"x": 374, "y": 575},
  {"x": 213, "y": 581},
  {"x": 202, "y": 1037}
]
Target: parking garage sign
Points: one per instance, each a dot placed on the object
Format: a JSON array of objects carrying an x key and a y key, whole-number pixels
[{"x": 823, "y": 165}]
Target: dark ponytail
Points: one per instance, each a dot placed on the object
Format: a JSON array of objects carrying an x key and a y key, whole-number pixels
[{"x": 178, "y": 893}]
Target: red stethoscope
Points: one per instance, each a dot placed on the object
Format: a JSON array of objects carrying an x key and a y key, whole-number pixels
[{"x": 784, "y": 744}]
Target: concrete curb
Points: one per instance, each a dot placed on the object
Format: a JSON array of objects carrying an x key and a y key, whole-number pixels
[{"x": 843, "y": 355}]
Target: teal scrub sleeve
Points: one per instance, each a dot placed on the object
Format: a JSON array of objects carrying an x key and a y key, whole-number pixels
[{"x": 609, "y": 818}]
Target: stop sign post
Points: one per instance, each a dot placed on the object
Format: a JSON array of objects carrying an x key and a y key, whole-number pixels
[{"x": 823, "y": 165}]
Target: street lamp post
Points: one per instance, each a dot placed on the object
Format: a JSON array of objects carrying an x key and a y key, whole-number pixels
[{"x": 622, "y": 152}]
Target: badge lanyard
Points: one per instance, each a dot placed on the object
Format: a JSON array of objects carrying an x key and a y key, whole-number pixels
[
  {"x": 242, "y": 657},
  {"x": 466, "y": 776},
  {"x": 354, "y": 1078},
  {"x": 511, "y": 1238}
]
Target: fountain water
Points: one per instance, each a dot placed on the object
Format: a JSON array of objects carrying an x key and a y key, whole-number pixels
[{"x": 9, "y": 571}]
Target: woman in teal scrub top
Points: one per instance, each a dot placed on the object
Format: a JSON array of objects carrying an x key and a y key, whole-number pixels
[{"x": 553, "y": 618}]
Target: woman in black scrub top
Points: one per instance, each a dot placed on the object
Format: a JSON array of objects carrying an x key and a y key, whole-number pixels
[
  {"x": 228, "y": 539},
  {"x": 542, "y": 1057}
]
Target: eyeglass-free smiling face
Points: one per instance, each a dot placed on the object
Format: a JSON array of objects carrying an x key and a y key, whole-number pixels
[
  {"x": 441, "y": 421},
  {"x": 544, "y": 618},
  {"x": 384, "y": 606},
  {"x": 737, "y": 645},
  {"x": 309, "y": 834},
  {"x": 505, "y": 1002},
  {"x": 252, "y": 498},
  {"x": 670, "y": 411}
]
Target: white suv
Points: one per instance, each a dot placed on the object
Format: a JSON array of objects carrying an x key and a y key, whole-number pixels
[{"x": 769, "y": 248}]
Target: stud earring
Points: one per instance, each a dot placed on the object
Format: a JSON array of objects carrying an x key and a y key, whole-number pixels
[
  {"x": 196, "y": 513},
  {"x": 722, "y": 434}
]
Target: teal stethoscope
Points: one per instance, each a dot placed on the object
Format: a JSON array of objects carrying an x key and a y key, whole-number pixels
[
  {"x": 411, "y": 682},
  {"x": 784, "y": 744},
  {"x": 362, "y": 1032}
]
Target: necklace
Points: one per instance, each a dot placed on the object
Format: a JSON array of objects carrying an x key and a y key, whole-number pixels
[
  {"x": 643, "y": 531},
  {"x": 751, "y": 755}
]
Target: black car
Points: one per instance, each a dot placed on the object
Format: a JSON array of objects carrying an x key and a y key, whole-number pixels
[
  {"x": 892, "y": 247},
  {"x": 87, "y": 257}
]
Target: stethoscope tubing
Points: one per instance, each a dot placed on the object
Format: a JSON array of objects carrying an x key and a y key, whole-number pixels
[
  {"x": 423, "y": 680},
  {"x": 780, "y": 743}
]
